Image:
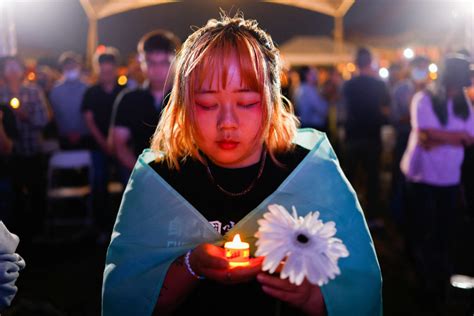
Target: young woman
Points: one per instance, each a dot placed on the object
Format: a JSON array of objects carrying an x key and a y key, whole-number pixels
[
  {"x": 442, "y": 123},
  {"x": 227, "y": 147}
]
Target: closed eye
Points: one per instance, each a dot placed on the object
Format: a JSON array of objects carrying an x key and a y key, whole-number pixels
[
  {"x": 206, "y": 107},
  {"x": 248, "y": 105}
]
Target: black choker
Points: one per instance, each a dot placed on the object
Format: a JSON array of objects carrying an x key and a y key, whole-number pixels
[{"x": 263, "y": 157}]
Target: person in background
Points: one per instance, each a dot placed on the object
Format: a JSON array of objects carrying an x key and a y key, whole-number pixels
[
  {"x": 137, "y": 111},
  {"x": 66, "y": 98},
  {"x": 31, "y": 116},
  {"x": 367, "y": 100},
  {"x": 135, "y": 75},
  {"x": 442, "y": 123},
  {"x": 332, "y": 92},
  {"x": 8, "y": 134},
  {"x": 46, "y": 78},
  {"x": 311, "y": 108},
  {"x": 97, "y": 106},
  {"x": 468, "y": 164},
  {"x": 402, "y": 94}
]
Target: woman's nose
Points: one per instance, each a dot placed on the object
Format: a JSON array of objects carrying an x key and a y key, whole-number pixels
[{"x": 227, "y": 117}]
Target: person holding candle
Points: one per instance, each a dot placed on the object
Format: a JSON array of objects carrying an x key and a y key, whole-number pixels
[
  {"x": 31, "y": 115},
  {"x": 226, "y": 147}
]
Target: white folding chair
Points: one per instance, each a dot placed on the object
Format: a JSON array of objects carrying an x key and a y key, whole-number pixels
[{"x": 65, "y": 194}]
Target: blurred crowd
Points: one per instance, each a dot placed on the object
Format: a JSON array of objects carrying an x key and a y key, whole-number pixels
[{"x": 416, "y": 130}]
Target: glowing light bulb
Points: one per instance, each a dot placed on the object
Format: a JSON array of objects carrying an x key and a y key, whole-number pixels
[
  {"x": 122, "y": 80},
  {"x": 351, "y": 67},
  {"x": 433, "y": 68},
  {"x": 384, "y": 73},
  {"x": 31, "y": 76},
  {"x": 408, "y": 53}
]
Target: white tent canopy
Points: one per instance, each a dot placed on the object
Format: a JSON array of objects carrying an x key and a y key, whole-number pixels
[
  {"x": 315, "y": 50},
  {"x": 98, "y": 9}
]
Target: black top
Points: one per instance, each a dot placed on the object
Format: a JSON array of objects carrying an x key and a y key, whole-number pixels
[
  {"x": 100, "y": 103},
  {"x": 138, "y": 111},
  {"x": 365, "y": 96},
  {"x": 9, "y": 126},
  {"x": 223, "y": 211}
]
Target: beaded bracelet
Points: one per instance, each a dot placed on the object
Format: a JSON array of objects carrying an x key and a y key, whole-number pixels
[{"x": 188, "y": 266}]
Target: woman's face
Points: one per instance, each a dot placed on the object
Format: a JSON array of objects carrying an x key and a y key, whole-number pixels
[{"x": 228, "y": 119}]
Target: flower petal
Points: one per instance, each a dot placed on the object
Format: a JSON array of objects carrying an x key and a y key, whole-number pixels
[{"x": 317, "y": 260}]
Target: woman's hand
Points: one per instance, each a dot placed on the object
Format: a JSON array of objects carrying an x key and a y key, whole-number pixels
[
  {"x": 306, "y": 296},
  {"x": 209, "y": 261}
]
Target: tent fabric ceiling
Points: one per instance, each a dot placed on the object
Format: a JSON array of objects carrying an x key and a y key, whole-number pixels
[
  {"x": 98, "y": 9},
  {"x": 315, "y": 50}
]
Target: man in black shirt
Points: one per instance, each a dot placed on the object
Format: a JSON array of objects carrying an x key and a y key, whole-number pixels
[
  {"x": 97, "y": 106},
  {"x": 367, "y": 101},
  {"x": 137, "y": 112}
]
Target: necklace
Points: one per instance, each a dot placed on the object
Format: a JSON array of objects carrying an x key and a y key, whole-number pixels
[{"x": 251, "y": 185}]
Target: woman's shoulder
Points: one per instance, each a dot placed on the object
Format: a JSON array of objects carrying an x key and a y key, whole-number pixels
[{"x": 422, "y": 99}]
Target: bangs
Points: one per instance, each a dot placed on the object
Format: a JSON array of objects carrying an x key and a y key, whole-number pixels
[
  {"x": 205, "y": 57},
  {"x": 214, "y": 60}
]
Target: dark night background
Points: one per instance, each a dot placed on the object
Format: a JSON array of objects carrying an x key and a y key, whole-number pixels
[
  {"x": 48, "y": 27},
  {"x": 66, "y": 280}
]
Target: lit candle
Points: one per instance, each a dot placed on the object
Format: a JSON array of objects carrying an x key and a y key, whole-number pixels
[
  {"x": 15, "y": 103},
  {"x": 237, "y": 252}
]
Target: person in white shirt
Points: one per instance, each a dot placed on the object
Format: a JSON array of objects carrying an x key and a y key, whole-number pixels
[{"x": 442, "y": 123}]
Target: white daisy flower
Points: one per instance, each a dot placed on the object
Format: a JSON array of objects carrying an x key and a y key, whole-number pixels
[{"x": 306, "y": 243}]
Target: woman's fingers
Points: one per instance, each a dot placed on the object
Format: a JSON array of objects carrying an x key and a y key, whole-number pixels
[
  {"x": 210, "y": 261},
  {"x": 207, "y": 256},
  {"x": 275, "y": 282},
  {"x": 235, "y": 275},
  {"x": 284, "y": 290}
]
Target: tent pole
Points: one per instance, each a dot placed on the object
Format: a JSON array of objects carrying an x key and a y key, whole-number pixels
[
  {"x": 92, "y": 40},
  {"x": 338, "y": 34},
  {"x": 8, "y": 43}
]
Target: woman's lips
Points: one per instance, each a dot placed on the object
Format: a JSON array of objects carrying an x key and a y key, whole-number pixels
[{"x": 227, "y": 144}]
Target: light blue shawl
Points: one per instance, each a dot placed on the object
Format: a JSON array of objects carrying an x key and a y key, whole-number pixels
[{"x": 155, "y": 225}]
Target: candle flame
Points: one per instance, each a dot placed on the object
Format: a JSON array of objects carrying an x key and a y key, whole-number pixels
[
  {"x": 237, "y": 239},
  {"x": 15, "y": 103}
]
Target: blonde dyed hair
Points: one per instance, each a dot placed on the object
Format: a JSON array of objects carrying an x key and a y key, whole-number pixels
[{"x": 206, "y": 51}]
